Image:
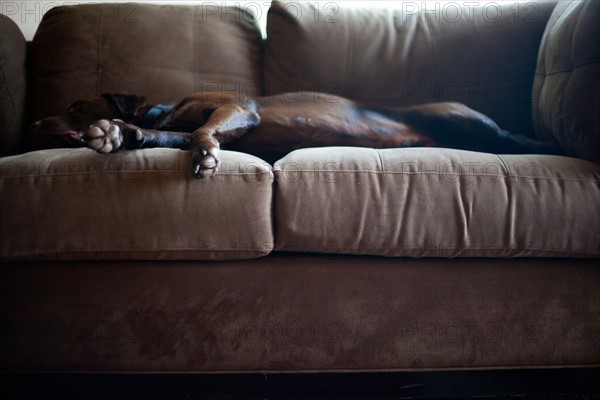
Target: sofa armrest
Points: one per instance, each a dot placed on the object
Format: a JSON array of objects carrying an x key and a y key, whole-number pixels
[
  {"x": 566, "y": 94},
  {"x": 13, "y": 85}
]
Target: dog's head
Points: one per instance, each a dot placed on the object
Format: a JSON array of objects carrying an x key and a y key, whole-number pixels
[{"x": 67, "y": 130}]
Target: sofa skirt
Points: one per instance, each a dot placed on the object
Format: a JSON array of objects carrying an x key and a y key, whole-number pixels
[{"x": 299, "y": 312}]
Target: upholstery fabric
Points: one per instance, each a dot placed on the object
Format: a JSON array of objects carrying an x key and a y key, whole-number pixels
[
  {"x": 235, "y": 312},
  {"x": 566, "y": 93},
  {"x": 483, "y": 56},
  {"x": 436, "y": 202},
  {"x": 143, "y": 204},
  {"x": 290, "y": 312},
  {"x": 13, "y": 85},
  {"x": 159, "y": 51}
]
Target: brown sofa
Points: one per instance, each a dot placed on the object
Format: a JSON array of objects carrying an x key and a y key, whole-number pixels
[{"x": 333, "y": 259}]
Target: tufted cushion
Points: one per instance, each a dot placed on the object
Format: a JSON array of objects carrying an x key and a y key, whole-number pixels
[
  {"x": 566, "y": 92},
  {"x": 482, "y": 54},
  {"x": 431, "y": 202},
  {"x": 145, "y": 204},
  {"x": 159, "y": 51}
]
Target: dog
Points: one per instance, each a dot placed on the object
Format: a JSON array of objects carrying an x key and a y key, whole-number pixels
[{"x": 270, "y": 127}]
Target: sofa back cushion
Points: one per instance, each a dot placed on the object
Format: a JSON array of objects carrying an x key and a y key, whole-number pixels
[
  {"x": 13, "y": 85},
  {"x": 566, "y": 93},
  {"x": 159, "y": 51},
  {"x": 483, "y": 56}
]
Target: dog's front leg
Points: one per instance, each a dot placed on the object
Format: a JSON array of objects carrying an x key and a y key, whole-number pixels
[
  {"x": 205, "y": 153},
  {"x": 224, "y": 124}
]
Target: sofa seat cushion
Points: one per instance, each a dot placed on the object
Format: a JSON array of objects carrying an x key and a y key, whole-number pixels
[
  {"x": 435, "y": 202},
  {"x": 143, "y": 204}
]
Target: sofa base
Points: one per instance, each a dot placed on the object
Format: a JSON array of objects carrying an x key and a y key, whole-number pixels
[
  {"x": 550, "y": 384},
  {"x": 299, "y": 312}
]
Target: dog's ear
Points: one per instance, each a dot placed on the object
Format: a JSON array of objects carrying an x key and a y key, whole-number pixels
[{"x": 129, "y": 105}]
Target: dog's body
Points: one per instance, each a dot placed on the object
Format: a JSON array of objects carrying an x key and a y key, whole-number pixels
[{"x": 270, "y": 127}]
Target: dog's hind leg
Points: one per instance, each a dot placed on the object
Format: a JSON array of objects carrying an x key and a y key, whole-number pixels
[
  {"x": 457, "y": 126},
  {"x": 109, "y": 136}
]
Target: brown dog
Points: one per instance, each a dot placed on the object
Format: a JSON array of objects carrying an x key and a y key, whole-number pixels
[{"x": 270, "y": 127}]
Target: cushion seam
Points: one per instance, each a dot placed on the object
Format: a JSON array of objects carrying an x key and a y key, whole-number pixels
[
  {"x": 128, "y": 172},
  {"x": 282, "y": 248},
  {"x": 437, "y": 174},
  {"x": 4, "y": 83},
  {"x": 564, "y": 71},
  {"x": 548, "y": 249},
  {"x": 54, "y": 251},
  {"x": 99, "y": 54}
]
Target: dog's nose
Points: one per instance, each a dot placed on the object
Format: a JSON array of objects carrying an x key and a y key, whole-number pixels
[{"x": 35, "y": 126}]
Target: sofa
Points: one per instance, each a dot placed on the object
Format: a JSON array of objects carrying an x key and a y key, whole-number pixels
[{"x": 334, "y": 259}]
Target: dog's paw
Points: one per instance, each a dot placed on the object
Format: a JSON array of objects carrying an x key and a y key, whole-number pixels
[
  {"x": 104, "y": 136},
  {"x": 206, "y": 158},
  {"x": 109, "y": 136}
]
